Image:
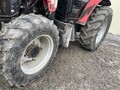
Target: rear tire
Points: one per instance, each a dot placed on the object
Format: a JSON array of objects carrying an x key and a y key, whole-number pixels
[
  {"x": 94, "y": 32},
  {"x": 20, "y": 33}
]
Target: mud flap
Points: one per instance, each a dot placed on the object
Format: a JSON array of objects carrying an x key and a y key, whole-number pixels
[{"x": 67, "y": 35}]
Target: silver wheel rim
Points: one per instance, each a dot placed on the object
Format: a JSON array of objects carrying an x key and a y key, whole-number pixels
[
  {"x": 32, "y": 63},
  {"x": 101, "y": 32}
]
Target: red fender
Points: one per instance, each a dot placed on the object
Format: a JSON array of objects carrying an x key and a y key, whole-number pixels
[
  {"x": 52, "y": 5},
  {"x": 45, "y": 3},
  {"x": 91, "y": 5}
]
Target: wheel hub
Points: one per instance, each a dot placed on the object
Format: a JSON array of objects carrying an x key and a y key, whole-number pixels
[
  {"x": 32, "y": 51},
  {"x": 35, "y": 51},
  {"x": 37, "y": 54}
]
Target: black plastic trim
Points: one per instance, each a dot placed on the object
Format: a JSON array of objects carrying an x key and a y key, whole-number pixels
[{"x": 105, "y": 3}]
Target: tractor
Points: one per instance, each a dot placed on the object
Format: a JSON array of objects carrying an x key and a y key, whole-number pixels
[{"x": 31, "y": 32}]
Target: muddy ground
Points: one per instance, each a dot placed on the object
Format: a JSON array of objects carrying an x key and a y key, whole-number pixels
[{"x": 78, "y": 69}]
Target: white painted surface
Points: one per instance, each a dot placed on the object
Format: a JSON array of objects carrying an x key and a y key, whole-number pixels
[{"x": 115, "y": 26}]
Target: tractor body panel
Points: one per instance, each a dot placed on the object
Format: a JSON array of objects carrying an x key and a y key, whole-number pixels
[
  {"x": 77, "y": 11},
  {"x": 70, "y": 10},
  {"x": 91, "y": 5},
  {"x": 52, "y": 5}
]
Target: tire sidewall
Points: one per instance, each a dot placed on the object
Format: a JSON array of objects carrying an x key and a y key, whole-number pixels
[
  {"x": 108, "y": 19},
  {"x": 14, "y": 59}
]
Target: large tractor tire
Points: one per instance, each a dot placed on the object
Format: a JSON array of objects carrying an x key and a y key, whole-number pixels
[
  {"x": 28, "y": 44},
  {"x": 94, "y": 32}
]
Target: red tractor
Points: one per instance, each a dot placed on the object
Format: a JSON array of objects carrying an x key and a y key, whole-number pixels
[{"x": 32, "y": 30}]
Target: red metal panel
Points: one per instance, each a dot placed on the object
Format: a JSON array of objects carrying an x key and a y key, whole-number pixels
[
  {"x": 52, "y": 5},
  {"x": 45, "y": 3},
  {"x": 91, "y": 5}
]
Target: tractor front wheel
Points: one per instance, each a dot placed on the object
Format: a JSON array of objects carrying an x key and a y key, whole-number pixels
[{"x": 94, "y": 32}]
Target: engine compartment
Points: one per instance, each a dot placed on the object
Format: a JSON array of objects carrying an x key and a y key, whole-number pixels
[
  {"x": 69, "y": 9},
  {"x": 8, "y": 9}
]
